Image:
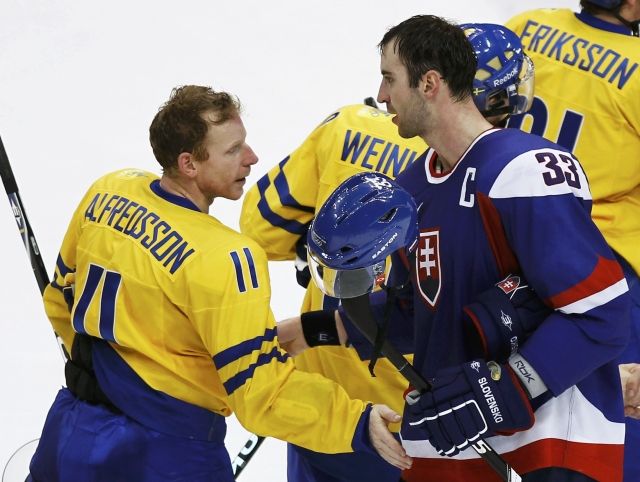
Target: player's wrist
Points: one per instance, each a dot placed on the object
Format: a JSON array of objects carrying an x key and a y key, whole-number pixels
[
  {"x": 319, "y": 328},
  {"x": 531, "y": 382}
]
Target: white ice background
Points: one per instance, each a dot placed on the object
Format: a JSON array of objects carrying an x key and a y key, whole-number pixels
[{"x": 80, "y": 82}]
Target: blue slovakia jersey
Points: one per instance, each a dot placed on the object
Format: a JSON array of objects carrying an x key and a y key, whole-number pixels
[{"x": 515, "y": 202}]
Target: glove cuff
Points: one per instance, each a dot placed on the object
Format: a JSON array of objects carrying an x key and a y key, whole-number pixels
[
  {"x": 500, "y": 319},
  {"x": 494, "y": 321}
]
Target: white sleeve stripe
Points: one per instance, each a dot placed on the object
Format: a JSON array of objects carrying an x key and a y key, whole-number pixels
[
  {"x": 524, "y": 176},
  {"x": 596, "y": 299}
]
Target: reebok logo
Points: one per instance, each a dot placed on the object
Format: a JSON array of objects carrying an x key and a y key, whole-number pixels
[
  {"x": 507, "y": 77},
  {"x": 524, "y": 372}
]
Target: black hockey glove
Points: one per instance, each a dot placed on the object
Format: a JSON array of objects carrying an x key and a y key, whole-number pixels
[{"x": 502, "y": 318}]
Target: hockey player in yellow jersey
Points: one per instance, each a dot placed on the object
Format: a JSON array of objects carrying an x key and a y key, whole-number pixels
[
  {"x": 166, "y": 311},
  {"x": 587, "y": 99},
  {"x": 276, "y": 213},
  {"x": 278, "y": 209}
]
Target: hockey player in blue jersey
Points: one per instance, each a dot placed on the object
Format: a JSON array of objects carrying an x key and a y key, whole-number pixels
[
  {"x": 493, "y": 202},
  {"x": 282, "y": 204}
]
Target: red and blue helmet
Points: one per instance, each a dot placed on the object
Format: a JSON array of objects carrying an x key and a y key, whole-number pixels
[
  {"x": 364, "y": 220},
  {"x": 504, "y": 78}
]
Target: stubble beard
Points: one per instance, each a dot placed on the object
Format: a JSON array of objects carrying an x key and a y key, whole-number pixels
[{"x": 413, "y": 122}]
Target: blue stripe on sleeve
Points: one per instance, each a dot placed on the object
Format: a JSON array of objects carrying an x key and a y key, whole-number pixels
[
  {"x": 63, "y": 268},
  {"x": 239, "y": 379},
  {"x": 232, "y": 353},
  {"x": 282, "y": 188},
  {"x": 108, "y": 305},
  {"x": 93, "y": 278},
  {"x": 239, "y": 275},
  {"x": 56, "y": 285},
  {"x": 252, "y": 267}
]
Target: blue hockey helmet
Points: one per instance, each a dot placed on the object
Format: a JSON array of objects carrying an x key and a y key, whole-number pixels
[
  {"x": 364, "y": 220},
  {"x": 504, "y": 78}
]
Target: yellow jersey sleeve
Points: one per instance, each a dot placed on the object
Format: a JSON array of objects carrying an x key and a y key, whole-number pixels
[{"x": 267, "y": 394}]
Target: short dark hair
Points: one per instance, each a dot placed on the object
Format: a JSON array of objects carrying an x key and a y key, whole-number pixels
[
  {"x": 428, "y": 42},
  {"x": 179, "y": 125}
]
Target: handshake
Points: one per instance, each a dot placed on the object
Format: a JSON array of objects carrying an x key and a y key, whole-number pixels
[{"x": 478, "y": 399}]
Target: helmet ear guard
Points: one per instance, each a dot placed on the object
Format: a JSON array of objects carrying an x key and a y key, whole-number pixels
[
  {"x": 364, "y": 220},
  {"x": 504, "y": 80}
]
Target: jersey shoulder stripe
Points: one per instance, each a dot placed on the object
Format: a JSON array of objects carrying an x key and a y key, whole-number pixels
[{"x": 542, "y": 172}]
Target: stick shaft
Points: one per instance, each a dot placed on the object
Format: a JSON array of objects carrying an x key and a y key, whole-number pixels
[{"x": 25, "y": 230}]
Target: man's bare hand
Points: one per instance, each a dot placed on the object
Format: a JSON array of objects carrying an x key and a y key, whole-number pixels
[
  {"x": 630, "y": 378},
  {"x": 290, "y": 336},
  {"x": 383, "y": 441}
]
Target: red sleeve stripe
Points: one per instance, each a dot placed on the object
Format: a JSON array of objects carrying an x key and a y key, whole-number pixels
[
  {"x": 502, "y": 252},
  {"x": 605, "y": 283}
]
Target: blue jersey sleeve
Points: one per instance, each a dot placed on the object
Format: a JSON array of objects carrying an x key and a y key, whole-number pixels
[{"x": 539, "y": 197}]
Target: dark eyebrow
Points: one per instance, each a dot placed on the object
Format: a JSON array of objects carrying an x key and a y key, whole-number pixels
[{"x": 385, "y": 72}]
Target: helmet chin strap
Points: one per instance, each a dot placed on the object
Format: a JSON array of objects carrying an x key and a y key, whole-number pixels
[{"x": 634, "y": 25}]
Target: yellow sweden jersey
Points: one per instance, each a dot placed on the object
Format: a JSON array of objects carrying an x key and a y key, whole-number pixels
[
  {"x": 278, "y": 209},
  {"x": 588, "y": 100},
  {"x": 184, "y": 301}
]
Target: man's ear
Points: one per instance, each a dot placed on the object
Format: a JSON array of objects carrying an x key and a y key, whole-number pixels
[
  {"x": 187, "y": 165},
  {"x": 430, "y": 83}
]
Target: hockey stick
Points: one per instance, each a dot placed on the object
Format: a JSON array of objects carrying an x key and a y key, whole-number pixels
[
  {"x": 246, "y": 453},
  {"x": 26, "y": 233},
  {"x": 359, "y": 311}
]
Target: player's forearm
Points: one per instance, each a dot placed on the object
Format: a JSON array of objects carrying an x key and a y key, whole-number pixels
[
  {"x": 548, "y": 352},
  {"x": 301, "y": 408}
]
